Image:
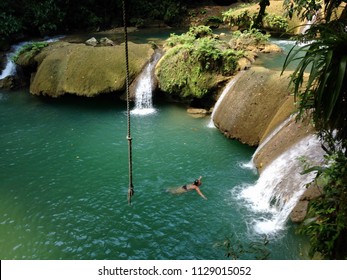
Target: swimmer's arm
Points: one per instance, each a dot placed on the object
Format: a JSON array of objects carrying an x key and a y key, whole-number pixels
[{"x": 200, "y": 193}]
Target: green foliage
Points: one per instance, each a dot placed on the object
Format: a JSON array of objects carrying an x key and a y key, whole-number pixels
[
  {"x": 242, "y": 19},
  {"x": 323, "y": 94},
  {"x": 308, "y": 9},
  {"x": 213, "y": 21},
  {"x": 200, "y": 31},
  {"x": 189, "y": 37},
  {"x": 9, "y": 25},
  {"x": 303, "y": 8},
  {"x": 251, "y": 36},
  {"x": 211, "y": 57},
  {"x": 245, "y": 20},
  {"x": 46, "y": 17},
  {"x": 29, "y": 49},
  {"x": 328, "y": 227},
  {"x": 89, "y": 18},
  {"x": 275, "y": 23},
  {"x": 198, "y": 57},
  {"x": 325, "y": 91},
  {"x": 169, "y": 11}
]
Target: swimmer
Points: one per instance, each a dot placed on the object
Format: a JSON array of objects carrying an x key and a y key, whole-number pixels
[{"x": 189, "y": 187}]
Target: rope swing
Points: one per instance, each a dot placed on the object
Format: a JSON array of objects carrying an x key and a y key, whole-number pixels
[{"x": 131, "y": 191}]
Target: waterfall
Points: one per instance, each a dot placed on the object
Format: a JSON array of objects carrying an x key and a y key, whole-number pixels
[
  {"x": 10, "y": 68},
  {"x": 144, "y": 88},
  {"x": 280, "y": 185},
  {"x": 225, "y": 91}
]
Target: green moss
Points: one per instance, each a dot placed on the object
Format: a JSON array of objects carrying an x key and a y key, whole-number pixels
[
  {"x": 29, "y": 50},
  {"x": 251, "y": 37},
  {"x": 275, "y": 23}
]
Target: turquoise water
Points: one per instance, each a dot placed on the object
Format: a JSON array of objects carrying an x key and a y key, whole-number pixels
[{"x": 64, "y": 179}]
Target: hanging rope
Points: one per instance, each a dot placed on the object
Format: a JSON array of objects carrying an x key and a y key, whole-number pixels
[{"x": 130, "y": 160}]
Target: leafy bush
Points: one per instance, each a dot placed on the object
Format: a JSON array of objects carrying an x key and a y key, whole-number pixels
[
  {"x": 327, "y": 227},
  {"x": 275, "y": 23},
  {"x": 213, "y": 21},
  {"x": 251, "y": 36},
  {"x": 198, "y": 58},
  {"x": 46, "y": 16},
  {"x": 212, "y": 58},
  {"x": 189, "y": 37},
  {"x": 241, "y": 19},
  {"x": 200, "y": 31},
  {"x": 9, "y": 25}
]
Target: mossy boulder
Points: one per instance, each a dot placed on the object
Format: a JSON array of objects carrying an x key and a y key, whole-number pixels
[
  {"x": 252, "y": 103},
  {"x": 182, "y": 75},
  {"x": 253, "y": 41},
  {"x": 195, "y": 64},
  {"x": 86, "y": 71}
]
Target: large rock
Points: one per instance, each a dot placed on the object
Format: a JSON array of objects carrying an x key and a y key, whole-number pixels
[
  {"x": 83, "y": 70},
  {"x": 251, "y": 104},
  {"x": 299, "y": 212},
  {"x": 291, "y": 132},
  {"x": 181, "y": 75}
]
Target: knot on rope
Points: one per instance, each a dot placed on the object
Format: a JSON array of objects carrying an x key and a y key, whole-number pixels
[{"x": 131, "y": 192}]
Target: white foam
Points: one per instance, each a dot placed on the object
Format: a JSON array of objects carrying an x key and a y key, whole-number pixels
[{"x": 280, "y": 185}]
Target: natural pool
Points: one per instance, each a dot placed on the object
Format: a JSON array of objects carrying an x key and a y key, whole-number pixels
[{"x": 64, "y": 179}]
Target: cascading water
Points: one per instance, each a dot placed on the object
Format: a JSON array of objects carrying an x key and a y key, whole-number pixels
[
  {"x": 144, "y": 88},
  {"x": 280, "y": 185},
  {"x": 10, "y": 68},
  {"x": 225, "y": 91}
]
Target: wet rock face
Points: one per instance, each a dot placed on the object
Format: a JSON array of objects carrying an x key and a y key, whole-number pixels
[
  {"x": 251, "y": 104},
  {"x": 292, "y": 132},
  {"x": 84, "y": 70},
  {"x": 299, "y": 212}
]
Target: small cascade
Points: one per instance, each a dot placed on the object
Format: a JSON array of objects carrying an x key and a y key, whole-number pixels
[
  {"x": 225, "y": 91},
  {"x": 10, "y": 68},
  {"x": 144, "y": 88},
  {"x": 280, "y": 185}
]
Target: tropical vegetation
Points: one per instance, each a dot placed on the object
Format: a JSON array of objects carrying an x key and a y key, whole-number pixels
[
  {"x": 46, "y": 17},
  {"x": 323, "y": 95},
  {"x": 199, "y": 58},
  {"x": 320, "y": 79}
]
